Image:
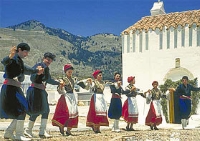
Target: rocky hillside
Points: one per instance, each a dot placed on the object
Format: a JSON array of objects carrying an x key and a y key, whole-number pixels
[{"x": 100, "y": 51}]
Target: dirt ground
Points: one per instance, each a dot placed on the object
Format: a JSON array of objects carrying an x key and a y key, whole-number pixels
[{"x": 108, "y": 135}]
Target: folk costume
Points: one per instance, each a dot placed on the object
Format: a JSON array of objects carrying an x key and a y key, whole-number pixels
[
  {"x": 184, "y": 93},
  {"x": 115, "y": 109},
  {"x": 97, "y": 114},
  {"x": 154, "y": 116},
  {"x": 130, "y": 108},
  {"x": 37, "y": 98},
  {"x": 13, "y": 102},
  {"x": 66, "y": 113}
]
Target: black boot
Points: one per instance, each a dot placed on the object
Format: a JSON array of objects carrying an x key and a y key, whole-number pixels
[
  {"x": 155, "y": 128},
  {"x": 151, "y": 127}
]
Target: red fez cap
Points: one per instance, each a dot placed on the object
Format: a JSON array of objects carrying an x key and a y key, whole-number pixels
[
  {"x": 95, "y": 73},
  {"x": 130, "y": 78},
  {"x": 67, "y": 67},
  {"x": 154, "y": 82}
]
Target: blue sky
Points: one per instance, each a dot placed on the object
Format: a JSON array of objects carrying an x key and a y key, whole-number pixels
[{"x": 85, "y": 17}]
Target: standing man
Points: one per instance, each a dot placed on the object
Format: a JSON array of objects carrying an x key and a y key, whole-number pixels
[
  {"x": 184, "y": 93},
  {"x": 115, "y": 109},
  {"x": 37, "y": 96},
  {"x": 13, "y": 102}
]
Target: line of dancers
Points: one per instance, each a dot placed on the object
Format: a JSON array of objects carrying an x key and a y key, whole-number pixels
[{"x": 15, "y": 105}]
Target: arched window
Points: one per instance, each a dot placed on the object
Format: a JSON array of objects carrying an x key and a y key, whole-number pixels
[
  {"x": 141, "y": 42},
  {"x": 198, "y": 35},
  {"x": 183, "y": 37},
  {"x": 133, "y": 42},
  {"x": 168, "y": 38},
  {"x": 147, "y": 40},
  {"x": 161, "y": 40},
  {"x": 128, "y": 43},
  {"x": 175, "y": 37},
  {"x": 190, "y": 36}
]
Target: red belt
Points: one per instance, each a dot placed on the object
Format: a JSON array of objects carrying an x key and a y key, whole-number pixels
[
  {"x": 116, "y": 96},
  {"x": 185, "y": 97}
]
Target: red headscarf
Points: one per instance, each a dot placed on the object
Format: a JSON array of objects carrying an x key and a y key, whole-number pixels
[
  {"x": 95, "y": 73},
  {"x": 130, "y": 78},
  {"x": 67, "y": 67}
]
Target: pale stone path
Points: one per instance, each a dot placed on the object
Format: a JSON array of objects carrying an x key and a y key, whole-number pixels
[{"x": 194, "y": 123}]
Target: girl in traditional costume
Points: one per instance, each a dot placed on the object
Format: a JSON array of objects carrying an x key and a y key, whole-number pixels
[
  {"x": 97, "y": 114},
  {"x": 66, "y": 113},
  {"x": 130, "y": 108},
  {"x": 154, "y": 116}
]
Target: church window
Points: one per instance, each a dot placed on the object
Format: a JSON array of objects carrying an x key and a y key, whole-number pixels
[
  {"x": 140, "y": 42},
  {"x": 175, "y": 38},
  {"x": 168, "y": 38},
  {"x": 198, "y": 35},
  {"x": 128, "y": 43},
  {"x": 133, "y": 42},
  {"x": 161, "y": 40},
  {"x": 190, "y": 36},
  {"x": 183, "y": 37},
  {"x": 147, "y": 40}
]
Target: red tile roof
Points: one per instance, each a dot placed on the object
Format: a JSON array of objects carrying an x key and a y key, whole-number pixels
[{"x": 165, "y": 20}]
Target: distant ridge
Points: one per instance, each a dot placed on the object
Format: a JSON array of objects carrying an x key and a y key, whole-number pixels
[{"x": 100, "y": 51}]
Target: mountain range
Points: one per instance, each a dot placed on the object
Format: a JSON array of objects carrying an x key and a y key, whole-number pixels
[{"x": 100, "y": 51}]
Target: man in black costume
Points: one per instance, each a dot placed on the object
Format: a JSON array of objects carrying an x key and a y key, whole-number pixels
[{"x": 13, "y": 104}]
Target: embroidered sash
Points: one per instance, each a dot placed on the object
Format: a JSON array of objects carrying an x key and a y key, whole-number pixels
[
  {"x": 12, "y": 82},
  {"x": 39, "y": 86}
]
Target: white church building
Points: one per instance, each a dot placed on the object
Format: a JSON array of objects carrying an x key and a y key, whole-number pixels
[{"x": 162, "y": 46}]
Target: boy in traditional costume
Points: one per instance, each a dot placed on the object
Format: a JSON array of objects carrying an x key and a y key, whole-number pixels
[
  {"x": 115, "y": 109},
  {"x": 13, "y": 103},
  {"x": 183, "y": 91},
  {"x": 37, "y": 96}
]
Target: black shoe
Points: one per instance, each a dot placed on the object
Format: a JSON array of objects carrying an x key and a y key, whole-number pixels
[
  {"x": 61, "y": 130},
  {"x": 97, "y": 131},
  {"x": 92, "y": 128},
  {"x": 155, "y": 128},
  {"x": 127, "y": 129},
  {"x": 131, "y": 129},
  {"x": 68, "y": 133},
  {"x": 151, "y": 127}
]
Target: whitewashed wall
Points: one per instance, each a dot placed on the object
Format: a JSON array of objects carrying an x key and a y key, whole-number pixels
[{"x": 154, "y": 63}]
